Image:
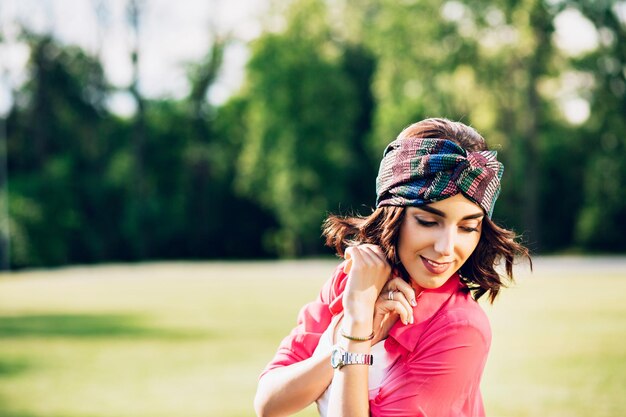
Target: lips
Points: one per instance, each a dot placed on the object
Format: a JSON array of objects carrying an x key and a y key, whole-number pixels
[{"x": 435, "y": 267}]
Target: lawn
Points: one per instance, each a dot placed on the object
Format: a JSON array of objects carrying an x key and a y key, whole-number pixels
[{"x": 189, "y": 339}]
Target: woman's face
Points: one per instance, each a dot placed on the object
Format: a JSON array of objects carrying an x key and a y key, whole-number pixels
[{"x": 436, "y": 239}]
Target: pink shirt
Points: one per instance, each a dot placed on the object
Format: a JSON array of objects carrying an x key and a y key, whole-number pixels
[{"x": 440, "y": 357}]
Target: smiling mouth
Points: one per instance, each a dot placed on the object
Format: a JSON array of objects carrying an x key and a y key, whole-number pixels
[
  {"x": 436, "y": 264},
  {"x": 435, "y": 267}
]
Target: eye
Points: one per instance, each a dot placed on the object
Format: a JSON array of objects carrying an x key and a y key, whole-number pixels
[
  {"x": 425, "y": 223},
  {"x": 469, "y": 228}
]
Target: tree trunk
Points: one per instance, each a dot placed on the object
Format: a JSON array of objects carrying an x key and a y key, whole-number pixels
[
  {"x": 542, "y": 29},
  {"x": 138, "y": 187}
]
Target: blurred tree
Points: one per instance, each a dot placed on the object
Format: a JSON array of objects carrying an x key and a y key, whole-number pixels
[
  {"x": 55, "y": 153},
  {"x": 240, "y": 220},
  {"x": 361, "y": 169},
  {"x": 202, "y": 156},
  {"x": 70, "y": 194},
  {"x": 5, "y": 242},
  {"x": 523, "y": 115},
  {"x": 136, "y": 223},
  {"x": 219, "y": 223},
  {"x": 301, "y": 114},
  {"x": 327, "y": 87},
  {"x": 603, "y": 217}
]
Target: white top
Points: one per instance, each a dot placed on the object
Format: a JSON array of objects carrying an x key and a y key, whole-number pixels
[{"x": 377, "y": 371}]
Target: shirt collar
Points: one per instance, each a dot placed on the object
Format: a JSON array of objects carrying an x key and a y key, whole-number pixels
[{"x": 429, "y": 302}]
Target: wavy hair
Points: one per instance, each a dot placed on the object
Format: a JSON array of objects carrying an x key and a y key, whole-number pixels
[{"x": 382, "y": 227}]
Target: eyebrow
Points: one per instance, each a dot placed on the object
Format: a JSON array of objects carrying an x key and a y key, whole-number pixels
[{"x": 442, "y": 214}]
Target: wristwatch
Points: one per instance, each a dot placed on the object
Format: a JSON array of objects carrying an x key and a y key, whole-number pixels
[{"x": 339, "y": 358}]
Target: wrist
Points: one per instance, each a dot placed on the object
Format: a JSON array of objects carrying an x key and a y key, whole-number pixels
[
  {"x": 358, "y": 307},
  {"x": 360, "y": 297},
  {"x": 357, "y": 328}
]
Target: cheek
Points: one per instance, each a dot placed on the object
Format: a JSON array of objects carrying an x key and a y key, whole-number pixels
[
  {"x": 405, "y": 244},
  {"x": 412, "y": 241},
  {"x": 401, "y": 247},
  {"x": 469, "y": 246}
]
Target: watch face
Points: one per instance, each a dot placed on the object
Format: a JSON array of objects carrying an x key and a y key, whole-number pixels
[{"x": 336, "y": 358}]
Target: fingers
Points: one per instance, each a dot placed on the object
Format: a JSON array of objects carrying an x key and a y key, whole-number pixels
[
  {"x": 399, "y": 297},
  {"x": 398, "y": 305},
  {"x": 365, "y": 256},
  {"x": 368, "y": 253},
  {"x": 398, "y": 284},
  {"x": 384, "y": 307},
  {"x": 374, "y": 250}
]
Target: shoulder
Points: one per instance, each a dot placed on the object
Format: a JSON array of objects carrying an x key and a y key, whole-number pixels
[{"x": 462, "y": 316}]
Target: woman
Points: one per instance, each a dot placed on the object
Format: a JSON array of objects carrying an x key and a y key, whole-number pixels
[{"x": 397, "y": 330}]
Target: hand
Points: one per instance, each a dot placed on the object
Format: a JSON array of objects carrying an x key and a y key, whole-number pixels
[
  {"x": 387, "y": 311},
  {"x": 368, "y": 271}
]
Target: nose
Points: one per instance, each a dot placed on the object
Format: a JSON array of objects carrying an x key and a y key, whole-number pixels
[{"x": 444, "y": 245}]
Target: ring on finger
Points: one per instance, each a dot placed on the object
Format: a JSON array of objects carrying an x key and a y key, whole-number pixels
[{"x": 390, "y": 295}]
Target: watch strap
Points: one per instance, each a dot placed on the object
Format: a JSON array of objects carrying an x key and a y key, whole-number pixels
[{"x": 351, "y": 358}]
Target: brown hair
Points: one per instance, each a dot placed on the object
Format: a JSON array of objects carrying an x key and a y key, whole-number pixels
[{"x": 382, "y": 227}]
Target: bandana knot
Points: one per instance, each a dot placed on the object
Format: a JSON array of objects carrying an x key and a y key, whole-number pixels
[{"x": 420, "y": 171}]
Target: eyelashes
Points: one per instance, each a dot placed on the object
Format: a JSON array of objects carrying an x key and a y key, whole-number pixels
[{"x": 425, "y": 223}]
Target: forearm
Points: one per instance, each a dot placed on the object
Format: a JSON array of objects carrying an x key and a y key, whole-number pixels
[
  {"x": 349, "y": 393},
  {"x": 286, "y": 390}
]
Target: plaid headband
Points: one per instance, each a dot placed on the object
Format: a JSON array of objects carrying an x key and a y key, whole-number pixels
[{"x": 419, "y": 171}]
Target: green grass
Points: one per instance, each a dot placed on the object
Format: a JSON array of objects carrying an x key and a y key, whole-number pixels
[{"x": 189, "y": 339}]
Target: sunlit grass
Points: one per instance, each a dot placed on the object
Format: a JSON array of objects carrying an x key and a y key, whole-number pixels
[{"x": 190, "y": 339}]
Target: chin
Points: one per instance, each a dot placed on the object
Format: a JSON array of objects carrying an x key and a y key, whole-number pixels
[
  {"x": 431, "y": 283},
  {"x": 434, "y": 283}
]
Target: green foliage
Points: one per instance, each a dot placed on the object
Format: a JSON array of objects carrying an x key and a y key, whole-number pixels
[
  {"x": 301, "y": 116},
  {"x": 75, "y": 194},
  {"x": 603, "y": 216},
  {"x": 54, "y": 144},
  {"x": 326, "y": 88}
]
